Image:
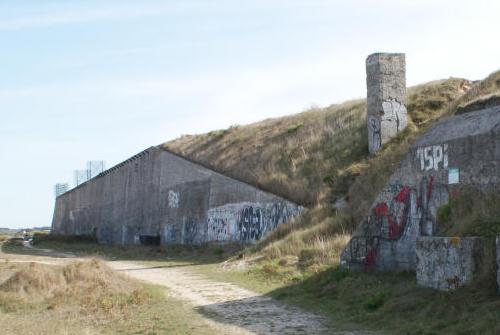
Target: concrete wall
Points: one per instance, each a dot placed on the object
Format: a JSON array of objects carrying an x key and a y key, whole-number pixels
[
  {"x": 157, "y": 195},
  {"x": 498, "y": 263},
  {"x": 461, "y": 150},
  {"x": 446, "y": 263},
  {"x": 386, "y": 97}
]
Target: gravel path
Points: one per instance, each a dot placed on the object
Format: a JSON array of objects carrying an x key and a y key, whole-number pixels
[
  {"x": 249, "y": 312},
  {"x": 226, "y": 307}
]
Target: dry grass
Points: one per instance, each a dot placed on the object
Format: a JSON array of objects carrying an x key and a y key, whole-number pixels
[
  {"x": 89, "y": 287},
  {"x": 78, "y": 298},
  {"x": 316, "y": 158},
  {"x": 304, "y": 157},
  {"x": 480, "y": 89},
  {"x": 87, "y": 298},
  {"x": 290, "y": 156}
]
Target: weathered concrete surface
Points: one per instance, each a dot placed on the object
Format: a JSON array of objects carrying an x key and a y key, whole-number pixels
[
  {"x": 159, "y": 197},
  {"x": 461, "y": 150},
  {"x": 386, "y": 97},
  {"x": 446, "y": 263},
  {"x": 498, "y": 263}
]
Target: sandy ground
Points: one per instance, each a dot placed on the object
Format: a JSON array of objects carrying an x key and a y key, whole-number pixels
[{"x": 226, "y": 307}]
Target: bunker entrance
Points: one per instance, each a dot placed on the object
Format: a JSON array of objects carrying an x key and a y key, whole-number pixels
[{"x": 149, "y": 239}]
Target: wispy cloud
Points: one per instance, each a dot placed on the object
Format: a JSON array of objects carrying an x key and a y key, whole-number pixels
[{"x": 78, "y": 14}]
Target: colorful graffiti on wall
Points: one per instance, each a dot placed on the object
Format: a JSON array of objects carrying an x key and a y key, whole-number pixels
[
  {"x": 247, "y": 221},
  {"x": 400, "y": 208}
]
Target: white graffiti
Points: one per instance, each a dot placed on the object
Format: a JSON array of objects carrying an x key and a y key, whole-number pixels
[
  {"x": 248, "y": 221},
  {"x": 431, "y": 156},
  {"x": 395, "y": 111},
  {"x": 386, "y": 123},
  {"x": 173, "y": 199}
]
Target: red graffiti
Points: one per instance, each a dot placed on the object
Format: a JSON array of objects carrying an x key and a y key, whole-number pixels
[
  {"x": 369, "y": 262},
  {"x": 394, "y": 228},
  {"x": 429, "y": 187},
  {"x": 403, "y": 195},
  {"x": 382, "y": 209}
]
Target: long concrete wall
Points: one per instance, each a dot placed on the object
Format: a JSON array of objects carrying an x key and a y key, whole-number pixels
[
  {"x": 159, "y": 197},
  {"x": 461, "y": 150}
]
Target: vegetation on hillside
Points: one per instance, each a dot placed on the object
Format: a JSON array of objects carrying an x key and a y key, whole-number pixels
[
  {"x": 318, "y": 158},
  {"x": 470, "y": 213},
  {"x": 480, "y": 90}
]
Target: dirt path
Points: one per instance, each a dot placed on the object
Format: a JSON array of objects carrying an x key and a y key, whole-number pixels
[
  {"x": 227, "y": 308},
  {"x": 229, "y": 304}
]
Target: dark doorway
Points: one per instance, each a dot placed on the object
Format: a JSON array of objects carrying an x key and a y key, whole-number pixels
[{"x": 149, "y": 239}]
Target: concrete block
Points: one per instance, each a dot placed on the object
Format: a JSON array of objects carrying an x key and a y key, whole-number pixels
[
  {"x": 386, "y": 97},
  {"x": 446, "y": 263}
]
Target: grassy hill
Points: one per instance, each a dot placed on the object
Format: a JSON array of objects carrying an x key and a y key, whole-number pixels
[
  {"x": 302, "y": 156},
  {"x": 319, "y": 158}
]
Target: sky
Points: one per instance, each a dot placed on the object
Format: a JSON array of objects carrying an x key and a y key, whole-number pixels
[{"x": 103, "y": 80}]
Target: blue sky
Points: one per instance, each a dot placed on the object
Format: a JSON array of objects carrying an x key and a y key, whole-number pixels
[{"x": 83, "y": 80}]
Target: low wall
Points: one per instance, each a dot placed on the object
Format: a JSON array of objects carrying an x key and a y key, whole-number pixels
[{"x": 446, "y": 263}]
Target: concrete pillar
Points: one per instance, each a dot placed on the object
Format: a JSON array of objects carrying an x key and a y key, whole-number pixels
[{"x": 386, "y": 98}]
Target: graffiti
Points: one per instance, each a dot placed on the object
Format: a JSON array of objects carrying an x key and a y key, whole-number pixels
[
  {"x": 386, "y": 123},
  {"x": 173, "y": 199},
  {"x": 369, "y": 262},
  {"x": 431, "y": 156},
  {"x": 218, "y": 229},
  {"x": 402, "y": 212},
  {"x": 374, "y": 133},
  {"x": 391, "y": 216},
  {"x": 364, "y": 248},
  {"x": 394, "y": 111},
  {"x": 189, "y": 231},
  {"x": 247, "y": 221},
  {"x": 251, "y": 224}
]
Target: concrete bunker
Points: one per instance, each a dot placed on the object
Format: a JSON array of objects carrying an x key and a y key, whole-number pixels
[
  {"x": 159, "y": 198},
  {"x": 462, "y": 150}
]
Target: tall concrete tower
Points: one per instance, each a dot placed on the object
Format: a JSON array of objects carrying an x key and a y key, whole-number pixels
[{"x": 386, "y": 99}]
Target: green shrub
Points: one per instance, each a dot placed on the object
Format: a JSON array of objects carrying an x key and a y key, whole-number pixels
[
  {"x": 375, "y": 301},
  {"x": 444, "y": 214}
]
